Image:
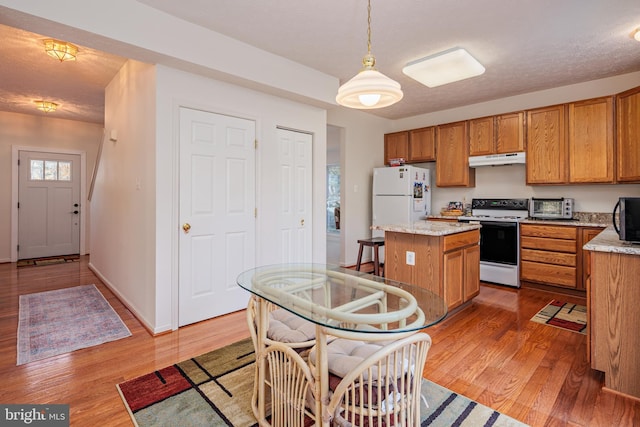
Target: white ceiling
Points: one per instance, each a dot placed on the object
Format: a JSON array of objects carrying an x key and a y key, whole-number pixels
[{"x": 525, "y": 46}]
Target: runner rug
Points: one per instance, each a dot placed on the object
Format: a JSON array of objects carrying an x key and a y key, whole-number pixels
[
  {"x": 572, "y": 317},
  {"x": 215, "y": 390},
  {"x": 56, "y": 322}
]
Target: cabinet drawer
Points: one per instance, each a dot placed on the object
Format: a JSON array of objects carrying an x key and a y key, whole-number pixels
[
  {"x": 553, "y": 231},
  {"x": 548, "y": 244},
  {"x": 548, "y": 257},
  {"x": 546, "y": 273},
  {"x": 460, "y": 240}
]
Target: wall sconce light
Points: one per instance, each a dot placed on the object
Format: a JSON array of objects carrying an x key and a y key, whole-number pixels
[
  {"x": 46, "y": 106},
  {"x": 60, "y": 50}
]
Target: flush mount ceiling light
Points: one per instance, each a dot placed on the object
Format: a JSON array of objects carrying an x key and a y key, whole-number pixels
[
  {"x": 60, "y": 50},
  {"x": 46, "y": 106},
  {"x": 445, "y": 67},
  {"x": 637, "y": 35},
  {"x": 369, "y": 88}
]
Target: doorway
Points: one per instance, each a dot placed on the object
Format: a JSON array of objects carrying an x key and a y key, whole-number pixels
[{"x": 48, "y": 193}]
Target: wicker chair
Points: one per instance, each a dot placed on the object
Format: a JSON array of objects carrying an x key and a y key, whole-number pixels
[
  {"x": 291, "y": 385},
  {"x": 376, "y": 383},
  {"x": 284, "y": 329}
]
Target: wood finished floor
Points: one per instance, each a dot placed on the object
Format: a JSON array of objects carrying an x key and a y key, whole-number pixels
[{"x": 490, "y": 352}]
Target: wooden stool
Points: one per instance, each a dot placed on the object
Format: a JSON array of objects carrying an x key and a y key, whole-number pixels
[{"x": 375, "y": 243}]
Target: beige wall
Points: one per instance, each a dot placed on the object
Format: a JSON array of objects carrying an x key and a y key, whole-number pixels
[{"x": 46, "y": 132}]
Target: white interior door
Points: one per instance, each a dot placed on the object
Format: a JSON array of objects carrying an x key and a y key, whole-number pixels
[
  {"x": 49, "y": 204},
  {"x": 295, "y": 196},
  {"x": 217, "y": 213}
]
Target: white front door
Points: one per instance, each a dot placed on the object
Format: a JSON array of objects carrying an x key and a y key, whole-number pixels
[
  {"x": 295, "y": 196},
  {"x": 217, "y": 213},
  {"x": 48, "y": 204}
]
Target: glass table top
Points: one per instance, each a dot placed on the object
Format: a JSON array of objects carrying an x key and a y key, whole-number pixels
[{"x": 345, "y": 299}]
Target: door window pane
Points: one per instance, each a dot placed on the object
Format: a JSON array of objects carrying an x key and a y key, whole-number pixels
[
  {"x": 37, "y": 170},
  {"x": 64, "y": 171},
  {"x": 50, "y": 170}
]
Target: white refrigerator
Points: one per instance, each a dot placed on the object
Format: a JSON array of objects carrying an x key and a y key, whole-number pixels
[{"x": 401, "y": 195}]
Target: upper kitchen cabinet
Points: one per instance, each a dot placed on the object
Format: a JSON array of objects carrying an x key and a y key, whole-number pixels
[
  {"x": 547, "y": 145},
  {"x": 510, "y": 133},
  {"x": 482, "y": 136},
  {"x": 452, "y": 156},
  {"x": 628, "y": 136},
  {"x": 396, "y": 145},
  {"x": 422, "y": 144},
  {"x": 497, "y": 134},
  {"x": 591, "y": 155}
]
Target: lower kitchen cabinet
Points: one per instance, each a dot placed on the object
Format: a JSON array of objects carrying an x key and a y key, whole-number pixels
[
  {"x": 446, "y": 265},
  {"x": 549, "y": 254},
  {"x": 552, "y": 254}
]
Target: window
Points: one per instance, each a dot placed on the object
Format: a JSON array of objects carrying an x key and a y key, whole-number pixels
[
  {"x": 333, "y": 198},
  {"x": 50, "y": 170}
]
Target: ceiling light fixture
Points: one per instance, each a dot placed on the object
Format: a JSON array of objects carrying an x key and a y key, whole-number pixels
[
  {"x": 369, "y": 88},
  {"x": 637, "y": 35},
  {"x": 60, "y": 50},
  {"x": 46, "y": 106},
  {"x": 445, "y": 67}
]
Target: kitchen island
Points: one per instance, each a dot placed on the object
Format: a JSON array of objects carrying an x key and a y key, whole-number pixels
[
  {"x": 613, "y": 293},
  {"x": 439, "y": 256}
]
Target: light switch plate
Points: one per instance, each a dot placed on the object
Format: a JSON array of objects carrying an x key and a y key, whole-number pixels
[{"x": 411, "y": 258}]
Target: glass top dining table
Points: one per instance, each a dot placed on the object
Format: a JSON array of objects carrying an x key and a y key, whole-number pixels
[{"x": 344, "y": 300}]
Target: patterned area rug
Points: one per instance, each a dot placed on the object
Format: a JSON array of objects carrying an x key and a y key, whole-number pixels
[
  {"x": 56, "y": 322},
  {"x": 215, "y": 390},
  {"x": 563, "y": 315}
]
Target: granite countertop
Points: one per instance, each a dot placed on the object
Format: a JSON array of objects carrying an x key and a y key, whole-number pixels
[
  {"x": 608, "y": 241},
  {"x": 580, "y": 219},
  {"x": 429, "y": 228}
]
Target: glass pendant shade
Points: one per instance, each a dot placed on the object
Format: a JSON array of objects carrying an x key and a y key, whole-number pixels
[{"x": 369, "y": 89}]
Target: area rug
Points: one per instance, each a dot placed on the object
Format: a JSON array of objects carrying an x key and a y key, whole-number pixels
[
  {"x": 57, "y": 322},
  {"x": 215, "y": 390},
  {"x": 572, "y": 317},
  {"x": 35, "y": 262}
]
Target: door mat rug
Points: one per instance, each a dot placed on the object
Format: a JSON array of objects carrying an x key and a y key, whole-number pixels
[
  {"x": 215, "y": 389},
  {"x": 34, "y": 262},
  {"x": 57, "y": 322},
  {"x": 572, "y": 317}
]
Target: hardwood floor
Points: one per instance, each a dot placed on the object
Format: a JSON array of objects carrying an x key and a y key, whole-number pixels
[{"x": 490, "y": 352}]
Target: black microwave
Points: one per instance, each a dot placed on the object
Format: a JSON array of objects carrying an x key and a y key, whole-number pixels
[{"x": 629, "y": 229}]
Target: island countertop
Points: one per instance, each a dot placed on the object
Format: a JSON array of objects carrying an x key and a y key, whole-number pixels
[
  {"x": 608, "y": 241},
  {"x": 429, "y": 228}
]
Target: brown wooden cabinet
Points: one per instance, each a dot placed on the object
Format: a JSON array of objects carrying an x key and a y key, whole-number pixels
[
  {"x": 452, "y": 156},
  {"x": 396, "y": 145},
  {"x": 586, "y": 234},
  {"x": 613, "y": 322},
  {"x": 497, "y": 134},
  {"x": 482, "y": 137},
  {"x": 547, "y": 145},
  {"x": 549, "y": 254},
  {"x": 510, "y": 133},
  {"x": 422, "y": 144},
  {"x": 628, "y": 136},
  {"x": 446, "y": 265},
  {"x": 590, "y": 141}
]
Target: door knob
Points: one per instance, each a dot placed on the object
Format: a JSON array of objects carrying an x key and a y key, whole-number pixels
[
  {"x": 302, "y": 222},
  {"x": 186, "y": 227}
]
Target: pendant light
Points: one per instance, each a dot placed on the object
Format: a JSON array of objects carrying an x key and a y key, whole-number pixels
[{"x": 369, "y": 88}]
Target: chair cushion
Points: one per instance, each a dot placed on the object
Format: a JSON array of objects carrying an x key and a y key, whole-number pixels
[{"x": 288, "y": 328}]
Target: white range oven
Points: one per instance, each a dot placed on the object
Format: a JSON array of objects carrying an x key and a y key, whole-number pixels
[{"x": 499, "y": 238}]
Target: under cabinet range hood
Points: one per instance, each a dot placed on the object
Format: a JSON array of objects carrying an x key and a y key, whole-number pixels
[{"x": 498, "y": 159}]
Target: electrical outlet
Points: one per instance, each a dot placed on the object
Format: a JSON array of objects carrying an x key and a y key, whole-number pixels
[{"x": 411, "y": 258}]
